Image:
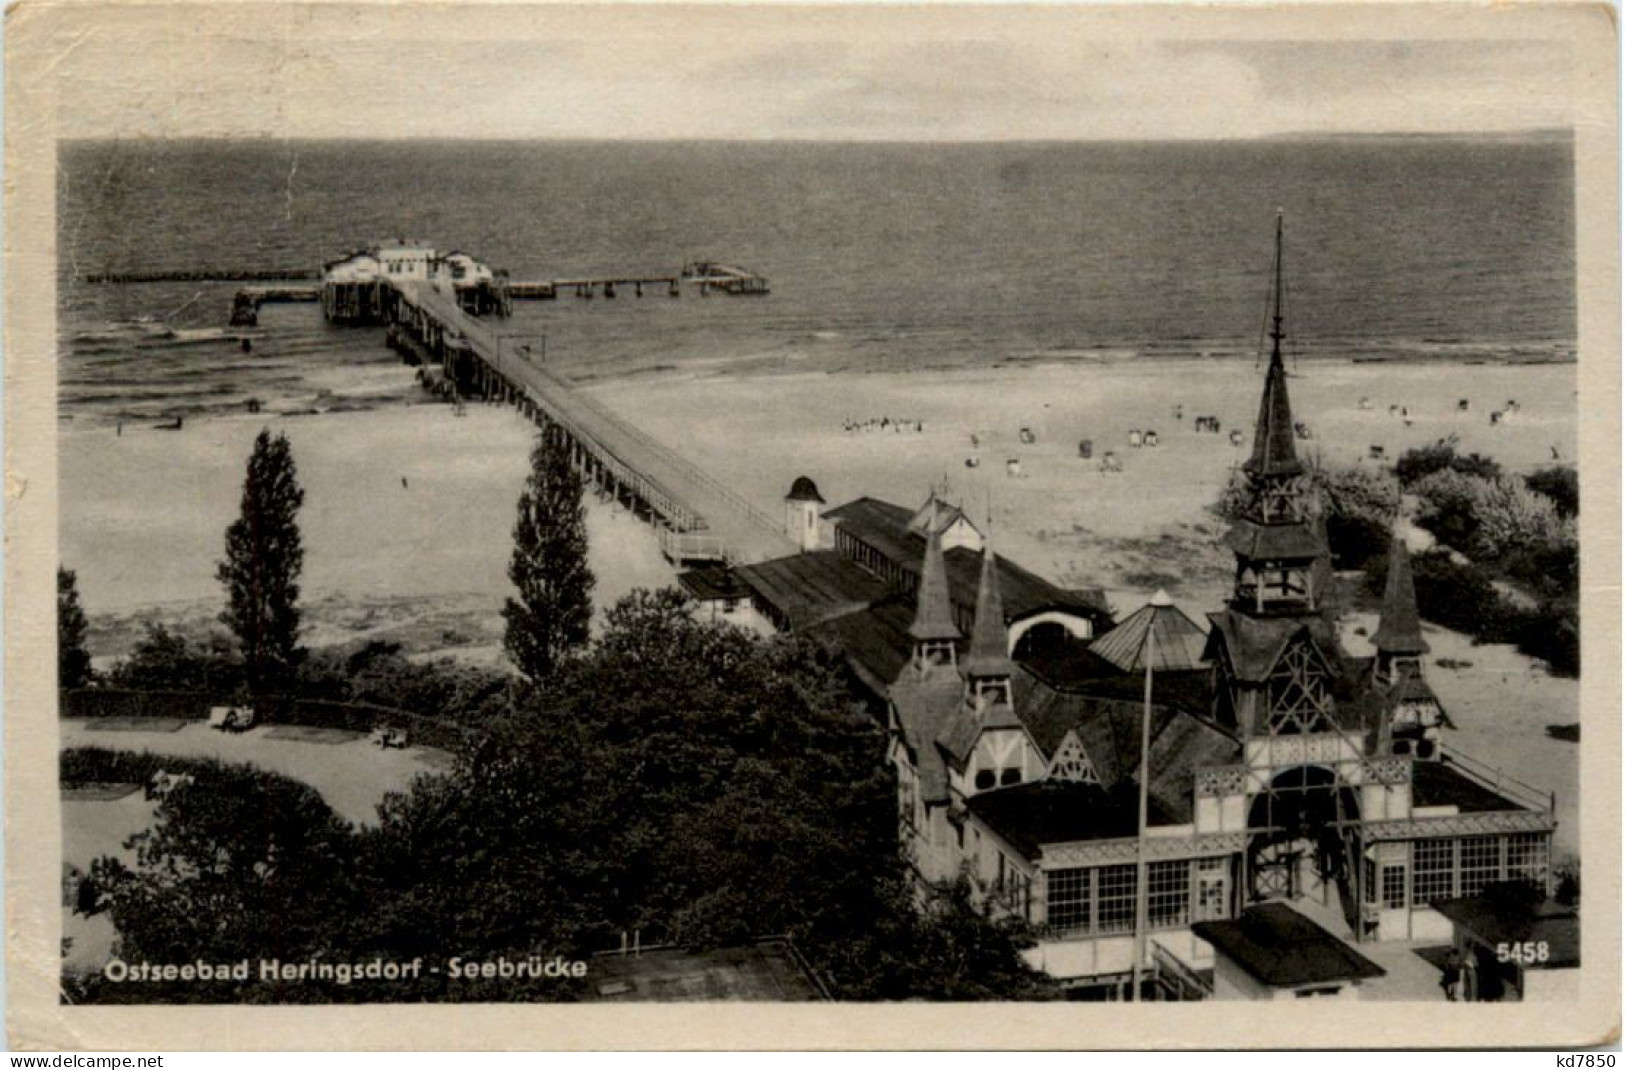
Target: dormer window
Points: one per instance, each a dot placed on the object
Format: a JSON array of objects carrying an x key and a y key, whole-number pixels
[{"x": 986, "y": 779}]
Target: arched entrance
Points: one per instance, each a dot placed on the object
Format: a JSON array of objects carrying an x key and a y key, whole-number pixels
[{"x": 1298, "y": 847}]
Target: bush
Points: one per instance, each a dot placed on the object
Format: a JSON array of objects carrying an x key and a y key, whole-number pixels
[
  {"x": 165, "y": 661},
  {"x": 1491, "y": 520},
  {"x": 1415, "y": 465},
  {"x": 1561, "y": 484}
]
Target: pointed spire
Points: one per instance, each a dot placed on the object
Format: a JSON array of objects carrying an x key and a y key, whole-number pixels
[
  {"x": 1400, "y": 630},
  {"x": 1274, "y": 451},
  {"x": 989, "y": 644},
  {"x": 933, "y": 611}
]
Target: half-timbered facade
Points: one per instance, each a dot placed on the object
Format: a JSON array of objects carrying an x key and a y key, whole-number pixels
[{"x": 1283, "y": 771}]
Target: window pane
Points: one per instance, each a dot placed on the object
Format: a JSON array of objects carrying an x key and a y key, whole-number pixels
[
  {"x": 1067, "y": 892},
  {"x": 1480, "y": 863},
  {"x": 1393, "y": 887},
  {"x": 1168, "y": 894},
  {"x": 1434, "y": 863},
  {"x": 1115, "y": 899},
  {"x": 1528, "y": 857},
  {"x": 1212, "y": 888}
]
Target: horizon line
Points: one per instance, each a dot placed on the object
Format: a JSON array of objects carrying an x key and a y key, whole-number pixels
[{"x": 1528, "y": 133}]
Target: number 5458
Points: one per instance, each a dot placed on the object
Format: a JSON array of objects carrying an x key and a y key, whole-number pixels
[{"x": 1528, "y": 951}]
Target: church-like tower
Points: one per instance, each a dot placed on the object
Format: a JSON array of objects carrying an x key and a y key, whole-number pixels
[
  {"x": 987, "y": 666},
  {"x": 1276, "y": 539},
  {"x": 1275, "y": 655},
  {"x": 933, "y": 632}
]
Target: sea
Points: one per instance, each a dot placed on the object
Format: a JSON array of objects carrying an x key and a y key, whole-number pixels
[{"x": 880, "y": 257}]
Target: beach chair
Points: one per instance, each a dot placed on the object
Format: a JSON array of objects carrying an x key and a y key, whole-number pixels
[
  {"x": 1376, "y": 453},
  {"x": 1027, "y": 436},
  {"x": 1134, "y": 439},
  {"x": 973, "y": 462},
  {"x": 1150, "y": 438},
  {"x": 1086, "y": 448},
  {"x": 1110, "y": 463},
  {"x": 1235, "y": 438}
]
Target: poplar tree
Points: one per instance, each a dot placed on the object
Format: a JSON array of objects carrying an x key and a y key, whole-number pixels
[
  {"x": 72, "y": 659},
  {"x": 264, "y": 556},
  {"x": 550, "y": 616}
]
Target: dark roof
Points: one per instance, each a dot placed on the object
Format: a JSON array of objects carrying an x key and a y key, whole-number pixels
[
  {"x": 765, "y": 971},
  {"x": 1274, "y": 452},
  {"x": 874, "y": 641},
  {"x": 1400, "y": 629},
  {"x": 988, "y": 654},
  {"x": 933, "y": 610},
  {"x": 925, "y": 707},
  {"x": 1042, "y": 812},
  {"x": 710, "y": 584},
  {"x": 1506, "y": 918},
  {"x": 804, "y": 490},
  {"x": 966, "y": 726},
  {"x": 884, "y": 527},
  {"x": 813, "y": 587},
  {"x": 1281, "y": 948},
  {"x": 1439, "y": 784},
  {"x": 1178, "y": 641},
  {"x": 1255, "y": 643},
  {"x": 1109, "y": 729},
  {"x": 1274, "y": 542}
]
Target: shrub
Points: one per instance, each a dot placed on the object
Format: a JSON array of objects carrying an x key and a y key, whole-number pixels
[
  {"x": 164, "y": 660},
  {"x": 1491, "y": 520},
  {"x": 1560, "y": 483},
  {"x": 1417, "y": 464}
]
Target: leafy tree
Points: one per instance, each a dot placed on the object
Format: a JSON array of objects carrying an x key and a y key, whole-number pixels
[
  {"x": 165, "y": 661},
  {"x": 72, "y": 659},
  {"x": 240, "y": 863},
  {"x": 551, "y": 615},
  {"x": 264, "y": 556}
]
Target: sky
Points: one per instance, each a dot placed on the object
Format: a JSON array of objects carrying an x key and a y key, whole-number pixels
[{"x": 958, "y": 73}]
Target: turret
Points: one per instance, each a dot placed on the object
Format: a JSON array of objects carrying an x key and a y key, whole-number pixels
[
  {"x": 1277, "y": 544},
  {"x": 987, "y": 666},
  {"x": 933, "y": 631},
  {"x": 801, "y": 513},
  {"x": 1398, "y": 640}
]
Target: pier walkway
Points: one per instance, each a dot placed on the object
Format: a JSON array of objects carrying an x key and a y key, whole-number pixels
[{"x": 700, "y": 519}]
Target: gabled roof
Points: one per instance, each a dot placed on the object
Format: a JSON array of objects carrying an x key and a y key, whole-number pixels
[
  {"x": 1274, "y": 450},
  {"x": 1281, "y": 948},
  {"x": 936, "y": 515},
  {"x": 1177, "y": 641},
  {"x": 966, "y": 726},
  {"x": 1255, "y": 644},
  {"x": 813, "y": 587},
  {"x": 1400, "y": 629},
  {"x": 885, "y": 528},
  {"x": 874, "y": 641},
  {"x": 925, "y": 706},
  {"x": 1497, "y": 919},
  {"x": 933, "y": 611}
]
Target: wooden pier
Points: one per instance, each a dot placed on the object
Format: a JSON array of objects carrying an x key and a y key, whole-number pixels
[
  {"x": 245, "y": 306},
  {"x": 705, "y": 276},
  {"x": 699, "y": 519}
]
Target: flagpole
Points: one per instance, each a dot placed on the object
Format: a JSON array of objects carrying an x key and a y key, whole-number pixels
[{"x": 1140, "y": 892}]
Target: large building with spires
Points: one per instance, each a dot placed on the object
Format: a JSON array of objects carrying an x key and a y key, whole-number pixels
[{"x": 1290, "y": 787}]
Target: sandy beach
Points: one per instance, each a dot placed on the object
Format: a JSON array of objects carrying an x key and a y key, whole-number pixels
[{"x": 143, "y": 513}]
